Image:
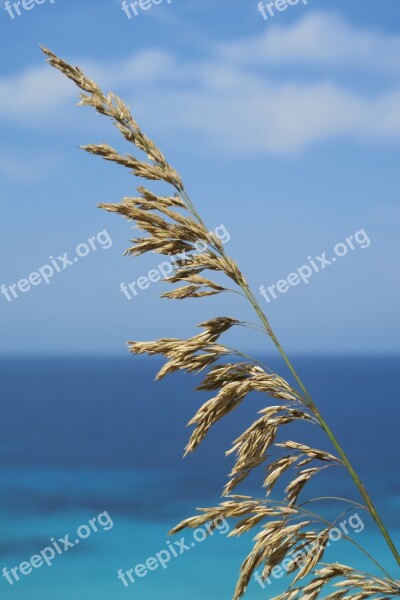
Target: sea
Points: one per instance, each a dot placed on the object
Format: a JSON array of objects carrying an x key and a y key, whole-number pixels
[{"x": 93, "y": 439}]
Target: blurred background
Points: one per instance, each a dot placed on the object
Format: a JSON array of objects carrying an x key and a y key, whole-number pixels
[{"x": 286, "y": 131}]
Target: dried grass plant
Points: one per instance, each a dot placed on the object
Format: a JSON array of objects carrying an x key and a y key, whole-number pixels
[{"x": 172, "y": 225}]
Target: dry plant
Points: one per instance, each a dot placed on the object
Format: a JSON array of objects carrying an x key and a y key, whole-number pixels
[{"x": 287, "y": 527}]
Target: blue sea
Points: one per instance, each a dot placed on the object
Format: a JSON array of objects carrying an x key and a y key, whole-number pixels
[{"x": 87, "y": 436}]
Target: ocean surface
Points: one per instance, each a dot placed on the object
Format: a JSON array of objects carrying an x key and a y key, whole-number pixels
[{"x": 87, "y": 436}]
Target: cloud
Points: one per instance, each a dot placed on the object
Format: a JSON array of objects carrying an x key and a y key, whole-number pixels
[
  {"x": 259, "y": 117},
  {"x": 32, "y": 93},
  {"x": 229, "y": 101},
  {"x": 319, "y": 39},
  {"x": 144, "y": 68}
]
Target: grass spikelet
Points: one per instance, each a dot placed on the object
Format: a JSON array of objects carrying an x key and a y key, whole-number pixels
[{"x": 172, "y": 225}]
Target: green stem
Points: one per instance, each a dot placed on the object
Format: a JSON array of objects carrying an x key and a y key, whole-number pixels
[
  {"x": 308, "y": 400},
  {"x": 371, "y": 507},
  {"x": 318, "y": 518},
  {"x": 356, "y": 504}
]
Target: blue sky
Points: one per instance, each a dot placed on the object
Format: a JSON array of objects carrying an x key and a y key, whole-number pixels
[{"x": 286, "y": 131}]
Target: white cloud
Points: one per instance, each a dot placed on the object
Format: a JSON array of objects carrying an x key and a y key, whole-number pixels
[
  {"x": 319, "y": 39},
  {"x": 227, "y": 102},
  {"x": 285, "y": 119},
  {"x": 31, "y": 93},
  {"x": 251, "y": 116},
  {"x": 143, "y": 68}
]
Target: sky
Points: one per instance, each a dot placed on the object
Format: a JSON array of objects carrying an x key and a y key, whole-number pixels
[{"x": 285, "y": 130}]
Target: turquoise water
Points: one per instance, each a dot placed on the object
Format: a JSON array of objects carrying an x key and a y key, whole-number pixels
[{"x": 82, "y": 436}]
